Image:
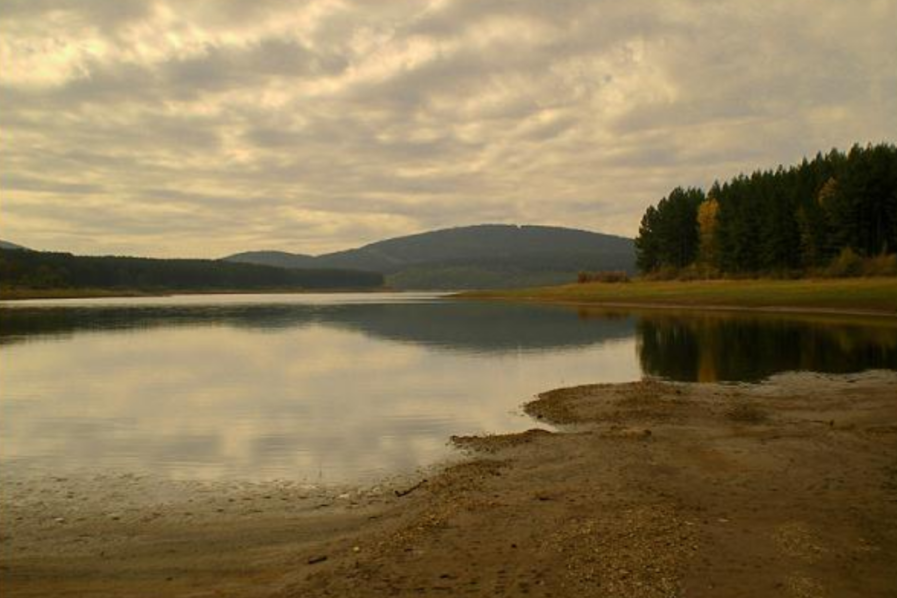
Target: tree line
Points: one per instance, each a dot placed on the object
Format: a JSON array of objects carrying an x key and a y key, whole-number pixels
[
  {"x": 21, "y": 269},
  {"x": 836, "y": 213}
]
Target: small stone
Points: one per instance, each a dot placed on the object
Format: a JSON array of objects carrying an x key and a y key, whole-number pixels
[
  {"x": 356, "y": 549},
  {"x": 314, "y": 560}
]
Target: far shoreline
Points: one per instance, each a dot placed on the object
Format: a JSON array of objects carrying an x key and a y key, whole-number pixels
[
  {"x": 866, "y": 297},
  {"x": 635, "y": 306},
  {"x": 32, "y": 294}
]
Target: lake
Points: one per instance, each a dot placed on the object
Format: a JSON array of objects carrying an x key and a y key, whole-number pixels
[{"x": 349, "y": 387}]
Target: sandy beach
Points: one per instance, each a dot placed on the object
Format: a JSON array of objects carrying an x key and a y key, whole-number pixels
[{"x": 784, "y": 488}]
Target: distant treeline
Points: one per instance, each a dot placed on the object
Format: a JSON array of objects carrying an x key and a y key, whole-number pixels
[
  {"x": 835, "y": 214},
  {"x": 42, "y": 270}
]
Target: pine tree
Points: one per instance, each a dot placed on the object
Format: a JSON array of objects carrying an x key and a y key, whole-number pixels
[
  {"x": 800, "y": 217},
  {"x": 646, "y": 242}
]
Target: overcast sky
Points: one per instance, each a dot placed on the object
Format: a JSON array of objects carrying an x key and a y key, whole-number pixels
[{"x": 206, "y": 127}]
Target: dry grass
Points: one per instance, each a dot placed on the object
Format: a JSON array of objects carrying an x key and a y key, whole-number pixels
[{"x": 858, "y": 294}]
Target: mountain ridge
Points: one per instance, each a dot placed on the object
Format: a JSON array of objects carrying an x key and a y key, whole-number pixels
[
  {"x": 8, "y": 245},
  {"x": 494, "y": 255}
]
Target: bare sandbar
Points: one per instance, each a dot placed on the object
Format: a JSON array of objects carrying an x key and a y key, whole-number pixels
[{"x": 784, "y": 488}]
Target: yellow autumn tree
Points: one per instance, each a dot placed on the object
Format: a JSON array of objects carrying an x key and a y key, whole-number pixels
[{"x": 708, "y": 246}]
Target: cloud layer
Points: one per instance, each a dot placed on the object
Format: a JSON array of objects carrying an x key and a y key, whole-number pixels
[{"x": 199, "y": 129}]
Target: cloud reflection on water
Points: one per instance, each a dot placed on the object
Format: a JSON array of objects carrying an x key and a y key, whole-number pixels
[
  {"x": 295, "y": 387},
  {"x": 336, "y": 394}
]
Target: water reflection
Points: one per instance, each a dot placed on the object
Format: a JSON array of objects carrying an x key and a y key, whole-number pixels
[
  {"x": 283, "y": 389},
  {"x": 344, "y": 388},
  {"x": 463, "y": 326},
  {"x": 723, "y": 347}
]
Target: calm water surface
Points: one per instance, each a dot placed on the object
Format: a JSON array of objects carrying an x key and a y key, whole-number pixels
[{"x": 337, "y": 388}]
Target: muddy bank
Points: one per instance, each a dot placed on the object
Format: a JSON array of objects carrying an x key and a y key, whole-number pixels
[
  {"x": 131, "y": 535},
  {"x": 786, "y": 488}
]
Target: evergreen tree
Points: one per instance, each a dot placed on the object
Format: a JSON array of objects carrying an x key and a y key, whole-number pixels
[
  {"x": 646, "y": 242},
  {"x": 782, "y": 220}
]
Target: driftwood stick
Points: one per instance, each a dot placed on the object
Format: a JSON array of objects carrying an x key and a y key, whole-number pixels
[{"x": 401, "y": 493}]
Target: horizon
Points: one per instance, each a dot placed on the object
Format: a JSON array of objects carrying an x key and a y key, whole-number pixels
[
  {"x": 354, "y": 247},
  {"x": 158, "y": 129}
]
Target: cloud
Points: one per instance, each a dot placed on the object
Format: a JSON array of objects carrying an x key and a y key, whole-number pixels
[{"x": 215, "y": 126}]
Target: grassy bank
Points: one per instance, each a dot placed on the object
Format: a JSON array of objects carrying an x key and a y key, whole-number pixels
[{"x": 877, "y": 295}]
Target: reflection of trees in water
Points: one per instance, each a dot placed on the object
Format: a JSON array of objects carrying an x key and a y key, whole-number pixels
[
  {"x": 678, "y": 346},
  {"x": 463, "y": 326},
  {"x": 725, "y": 347}
]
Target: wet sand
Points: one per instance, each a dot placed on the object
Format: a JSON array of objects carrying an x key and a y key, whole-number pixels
[{"x": 785, "y": 488}]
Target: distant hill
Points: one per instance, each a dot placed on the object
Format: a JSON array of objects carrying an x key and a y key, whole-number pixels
[
  {"x": 278, "y": 259},
  {"x": 484, "y": 256},
  {"x": 41, "y": 270},
  {"x": 8, "y": 245}
]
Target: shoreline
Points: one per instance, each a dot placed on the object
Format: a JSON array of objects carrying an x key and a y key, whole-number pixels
[
  {"x": 490, "y": 296},
  {"x": 785, "y": 487},
  {"x": 135, "y": 293},
  {"x": 634, "y": 306},
  {"x": 875, "y": 297}
]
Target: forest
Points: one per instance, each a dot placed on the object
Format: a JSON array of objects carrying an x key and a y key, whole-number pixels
[
  {"x": 21, "y": 269},
  {"x": 835, "y": 215}
]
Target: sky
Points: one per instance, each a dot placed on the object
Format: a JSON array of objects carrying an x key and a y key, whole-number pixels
[{"x": 203, "y": 128}]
